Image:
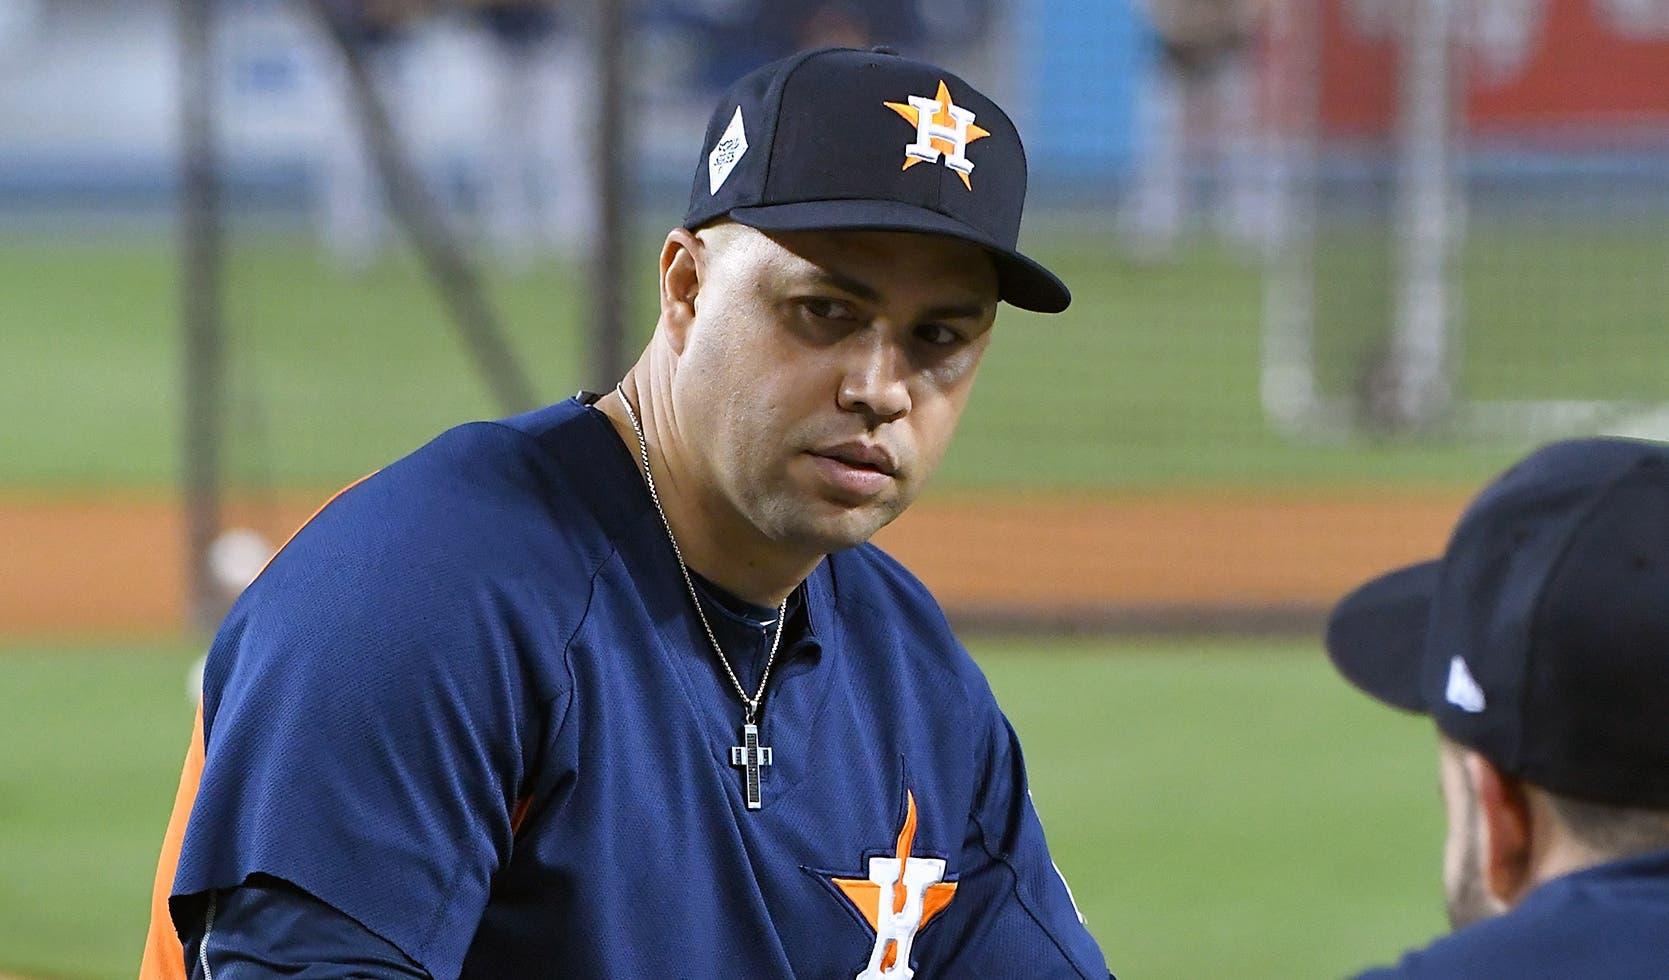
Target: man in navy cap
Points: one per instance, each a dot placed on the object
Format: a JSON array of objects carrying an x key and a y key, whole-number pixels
[
  {"x": 1539, "y": 645},
  {"x": 617, "y": 688}
]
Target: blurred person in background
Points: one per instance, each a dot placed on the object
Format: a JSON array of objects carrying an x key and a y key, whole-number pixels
[
  {"x": 736, "y": 36},
  {"x": 854, "y": 23},
  {"x": 533, "y": 146},
  {"x": 1198, "y": 110},
  {"x": 18, "y": 25},
  {"x": 1539, "y": 646},
  {"x": 352, "y": 207}
]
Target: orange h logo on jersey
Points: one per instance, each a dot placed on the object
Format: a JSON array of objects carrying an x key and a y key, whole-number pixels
[{"x": 901, "y": 895}]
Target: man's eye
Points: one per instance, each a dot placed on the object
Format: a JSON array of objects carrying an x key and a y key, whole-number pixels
[
  {"x": 826, "y": 309},
  {"x": 938, "y": 335}
]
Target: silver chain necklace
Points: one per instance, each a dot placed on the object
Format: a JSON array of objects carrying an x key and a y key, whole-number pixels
[{"x": 750, "y": 755}]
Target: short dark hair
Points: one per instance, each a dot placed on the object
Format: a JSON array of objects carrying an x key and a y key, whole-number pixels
[{"x": 1611, "y": 829}]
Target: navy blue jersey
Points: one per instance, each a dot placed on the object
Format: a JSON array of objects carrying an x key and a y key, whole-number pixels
[
  {"x": 1609, "y": 922},
  {"x": 470, "y": 707}
]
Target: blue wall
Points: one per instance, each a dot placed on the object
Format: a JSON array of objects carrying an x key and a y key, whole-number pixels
[{"x": 1085, "y": 60}]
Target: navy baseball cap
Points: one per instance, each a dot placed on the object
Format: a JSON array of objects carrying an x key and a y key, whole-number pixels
[
  {"x": 840, "y": 139},
  {"x": 1541, "y": 637}
]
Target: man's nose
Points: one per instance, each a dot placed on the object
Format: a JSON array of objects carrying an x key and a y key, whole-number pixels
[{"x": 875, "y": 383}]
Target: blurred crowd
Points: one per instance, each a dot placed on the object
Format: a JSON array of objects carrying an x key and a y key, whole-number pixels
[
  {"x": 1199, "y": 118},
  {"x": 1197, "y": 161},
  {"x": 533, "y": 181}
]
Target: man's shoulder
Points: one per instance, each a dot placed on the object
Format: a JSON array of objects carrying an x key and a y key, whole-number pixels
[
  {"x": 456, "y": 559},
  {"x": 519, "y": 462},
  {"x": 867, "y": 576},
  {"x": 878, "y": 593},
  {"x": 471, "y": 486},
  {"x": 1611, "y": 921},
  {"x": 1508, "y": 945},
  {"x": 1461, "y": 953},
  {"x": 483, "y": 501}
]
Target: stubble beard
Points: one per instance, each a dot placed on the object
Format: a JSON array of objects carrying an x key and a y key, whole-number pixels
[
  {"x": 797, "y": 516},
  {"x": 809, "y": 524},
  {"x": 1467, "y": 900}
]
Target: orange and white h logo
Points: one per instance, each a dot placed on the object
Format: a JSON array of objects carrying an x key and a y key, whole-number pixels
[
  {"x": 900, "y": 896},
  {"x": 942, "y": 128}
]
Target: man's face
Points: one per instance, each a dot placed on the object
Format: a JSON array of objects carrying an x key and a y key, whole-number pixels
[
  {"x": 824, "y": 373},
  {"x": 1464, "y": 893}
]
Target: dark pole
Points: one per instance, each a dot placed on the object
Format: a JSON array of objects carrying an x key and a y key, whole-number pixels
[
  {"x": 449, "y": 269},
  {"x": 610, "y": 158},
  {"x": 201, "y": 257}
]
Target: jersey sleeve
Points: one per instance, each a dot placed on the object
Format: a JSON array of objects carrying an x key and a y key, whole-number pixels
[
  {"x": 267, "y": 927},
  {"x": 1013, "y": 914},
  {"x": 368, "y": 723}
]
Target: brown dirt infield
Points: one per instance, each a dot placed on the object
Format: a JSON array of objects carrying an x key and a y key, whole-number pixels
[{"x": 112, "y": 565}]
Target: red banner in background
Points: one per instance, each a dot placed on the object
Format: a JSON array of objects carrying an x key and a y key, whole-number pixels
[
  {"x": 1586, "y": 61},
  {"x": 1357, "y": 52},
  {"x": 1530, "y": 64}
]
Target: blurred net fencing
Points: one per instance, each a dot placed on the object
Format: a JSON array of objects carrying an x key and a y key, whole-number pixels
[
  {"x": 1334, "y": 261},
  {"x": 1478, "y": 196}
]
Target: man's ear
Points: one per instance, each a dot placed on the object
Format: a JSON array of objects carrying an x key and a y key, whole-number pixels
[
  {"x": 683, "y": 265},
  {"x": 1504, "y": 817}
]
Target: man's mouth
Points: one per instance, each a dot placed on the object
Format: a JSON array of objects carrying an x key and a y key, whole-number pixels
[
  {"x": 856, "y": 472},
  {"x": 861, "y": 455}
]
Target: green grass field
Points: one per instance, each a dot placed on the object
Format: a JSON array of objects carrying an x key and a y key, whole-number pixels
[
  {"x": 1550, "y": 311},
  {"x": 1150, "y": 380},
  {"x": 1220, "y": 808}
]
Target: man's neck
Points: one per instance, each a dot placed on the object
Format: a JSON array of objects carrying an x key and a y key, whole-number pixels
[
  {"x": 733, "y": 605},
  {"x": 1554, "y": 850},
  {"x": 716, "y": 541}
]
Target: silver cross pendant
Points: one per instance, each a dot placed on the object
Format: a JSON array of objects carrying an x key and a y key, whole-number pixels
[{"x": 750, "y": 756}]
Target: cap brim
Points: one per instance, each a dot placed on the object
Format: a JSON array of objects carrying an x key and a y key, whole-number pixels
[
  {"x": 1376, "y": 635},
  {"x": 1021, "y": 281}
]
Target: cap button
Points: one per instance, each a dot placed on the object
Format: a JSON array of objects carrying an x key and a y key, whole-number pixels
[{"x": 884, "y": 49}]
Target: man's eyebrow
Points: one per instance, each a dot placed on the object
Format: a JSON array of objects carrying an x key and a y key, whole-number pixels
[
  {"x": 958, "y": 311},
  {"x": 845, "y": 283},
  {"x": 868, "y": 293}
]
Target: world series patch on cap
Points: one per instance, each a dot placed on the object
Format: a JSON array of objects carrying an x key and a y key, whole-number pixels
[{"x": 846, "y": 140}]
